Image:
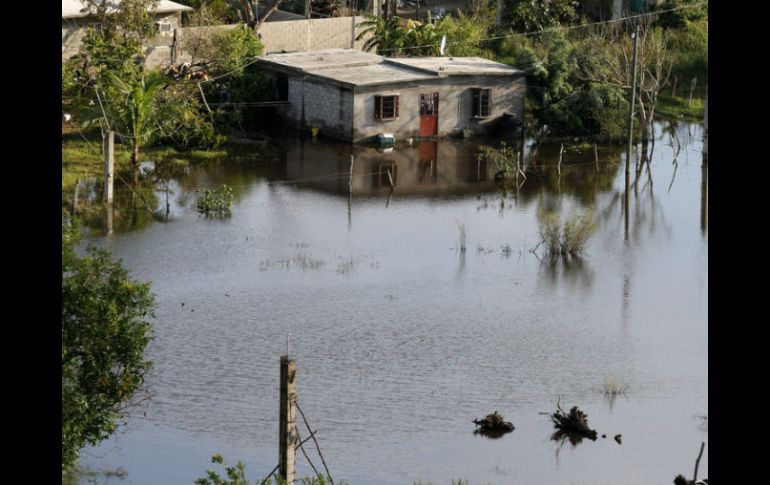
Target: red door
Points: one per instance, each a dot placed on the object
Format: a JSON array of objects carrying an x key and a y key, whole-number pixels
[{"x": 429, "y": 114}]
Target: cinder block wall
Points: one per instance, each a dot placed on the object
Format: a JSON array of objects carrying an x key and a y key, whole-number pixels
[
  {"x": 455, "y": 106},
  {"x": 327, "y": 107},
  {"x": 290, "y": 35}
]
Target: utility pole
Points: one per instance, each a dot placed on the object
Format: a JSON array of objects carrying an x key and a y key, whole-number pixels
[
  {"x": 630, "y": 128},
  {"x": 632, "y": 100}
]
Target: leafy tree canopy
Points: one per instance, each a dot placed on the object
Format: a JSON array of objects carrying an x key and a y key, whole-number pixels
[{"x": 105, "y": 331}]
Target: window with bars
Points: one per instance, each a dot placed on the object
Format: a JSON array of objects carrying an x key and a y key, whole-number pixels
[
  {"x": 481, "y": 103},
  {"x": 385, "y": 107}
]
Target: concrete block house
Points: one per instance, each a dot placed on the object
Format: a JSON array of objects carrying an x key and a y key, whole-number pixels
[
  {"x": 354, "y": 96},
  {"x": 76, "y": 18}
]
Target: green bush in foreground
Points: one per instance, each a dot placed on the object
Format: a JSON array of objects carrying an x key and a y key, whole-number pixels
[{"x": 104, "y": 334}]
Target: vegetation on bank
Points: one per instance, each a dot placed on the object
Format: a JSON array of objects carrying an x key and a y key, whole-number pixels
[{"x": 577, "y": 79}]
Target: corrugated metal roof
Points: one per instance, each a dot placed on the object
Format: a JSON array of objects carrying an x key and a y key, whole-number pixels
[
  {"x": 358, "y": 68},
  {"x": 74, "y": 8}
]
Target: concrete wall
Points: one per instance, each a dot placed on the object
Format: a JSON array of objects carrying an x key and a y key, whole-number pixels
[
  {"x": 312, "y": 34},
  {"x": 290, "y": 35},
  {"x": 455, "y": 106},
  {"x": 320, "y": 105}
]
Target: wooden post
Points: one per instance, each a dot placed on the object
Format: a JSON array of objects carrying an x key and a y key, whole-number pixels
[
  {"x": 75, "y": 197},
  {"x": 692, "y": 87},
  {"x": 287, "y": 434},
  {"x": 109, "y": 165},
  {"x": 706, "y": 129},
  {"x": 596, "y": 157},
  {"x": 561, "y": 152}
]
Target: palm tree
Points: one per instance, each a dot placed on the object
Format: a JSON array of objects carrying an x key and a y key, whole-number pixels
[
  {"x": 133, "y": 107},
  {"x": 385, "y": 34}
]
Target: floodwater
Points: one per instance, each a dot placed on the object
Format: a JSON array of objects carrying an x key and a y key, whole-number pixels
[{"x": 401, "y": 339}]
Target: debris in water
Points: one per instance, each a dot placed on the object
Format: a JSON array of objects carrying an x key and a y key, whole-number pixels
[
  {"x": 493, "y": 423},
  {"x": 576, "y": 421},
  {"x": 618, "y": 439},
  {"x": 604, "y": 436},
  {"x": 681, "y": 480}
]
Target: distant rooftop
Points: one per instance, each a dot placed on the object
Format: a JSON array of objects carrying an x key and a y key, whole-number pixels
[
  {"x": 358, "y": 68},
  {"x": 75, "y": 8}
]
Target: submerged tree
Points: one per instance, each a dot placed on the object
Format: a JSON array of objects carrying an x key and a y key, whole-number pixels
[{"x": 104, "y": 335}]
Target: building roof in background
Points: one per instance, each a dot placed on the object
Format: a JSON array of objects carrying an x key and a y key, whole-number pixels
[
  {"x": 358, "y": 68},
  {"x": 74, "y": 8}
]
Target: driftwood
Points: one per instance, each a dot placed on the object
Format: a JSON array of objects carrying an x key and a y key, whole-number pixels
[
  {"x": 493, "y": 423},
  {"x": 576, "y": 421},
  {"x": 681, "y": 480}
]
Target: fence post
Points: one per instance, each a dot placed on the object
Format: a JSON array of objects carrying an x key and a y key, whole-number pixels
[
  {"x": 287, "y": 434},
  {"x": 109, "y": 165}
]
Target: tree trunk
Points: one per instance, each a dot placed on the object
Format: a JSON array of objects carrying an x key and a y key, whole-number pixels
[{"x": 135, "y": 162}]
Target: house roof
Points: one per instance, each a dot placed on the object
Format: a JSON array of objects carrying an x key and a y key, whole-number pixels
[
  {"x": 358, "y": 68},
  {"x": 74, "y": 8}
]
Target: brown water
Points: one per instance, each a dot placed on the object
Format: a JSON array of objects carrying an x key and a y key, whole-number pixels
[{"x": 400, "y": 339}]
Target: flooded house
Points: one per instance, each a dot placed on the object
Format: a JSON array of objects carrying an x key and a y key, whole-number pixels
[{"x": 355, "y": 96}]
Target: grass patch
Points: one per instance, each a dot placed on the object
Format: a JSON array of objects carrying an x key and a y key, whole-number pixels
[
  {"x": 81, "y": 157},
  {"x": 676, "y": 107}
]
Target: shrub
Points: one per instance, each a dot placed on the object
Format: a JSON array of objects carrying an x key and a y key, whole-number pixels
[
  {"x": 568, "y": 238},
  {"x": 216, "y": 202}
]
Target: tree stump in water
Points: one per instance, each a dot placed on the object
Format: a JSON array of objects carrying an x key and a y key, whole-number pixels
[
  {"x": 493, "y": 423},
  {"x": 576, "y": 421}
]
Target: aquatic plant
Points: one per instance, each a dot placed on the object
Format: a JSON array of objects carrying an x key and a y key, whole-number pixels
[
  {"x": 613, "y": 388},
  {"x": 576, "y": 421},
  {"x": 216, "y": 202},
  {"x": 567, "y": 238}
]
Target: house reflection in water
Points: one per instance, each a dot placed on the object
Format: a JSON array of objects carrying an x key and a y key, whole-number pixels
[{"x": 425, "y": 167}]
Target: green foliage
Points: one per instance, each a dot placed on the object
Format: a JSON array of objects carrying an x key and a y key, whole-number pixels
[
  {"x": 549, "y": 64},
  {"x": 126, "y": 18},
  {"x": 678, "y": 19},
  {"x": 232, "y": 53},
  {"x": 680, "y": 108},
  {"x": 504, "y": 157},
  {"x": 104, "y": 334},
  {"x": 235, "y": 48},
  {"x": 689, "y": 51},
  {"x": 210, "y": 12},
  {"x": 186, "y": 127},
  {"x": 566, "y": 238},
  {"x": 396, "y": 36},
  {"x": 535, "y": 15},
  {"x": 216, "y": 202},
  {"x": 597, "y": 110}
]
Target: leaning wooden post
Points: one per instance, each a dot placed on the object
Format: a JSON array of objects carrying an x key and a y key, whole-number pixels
[
  {"x": 109, "y": 165},
  {"x": 75, "y": 197},
  {"x": 287, "y": 434}
]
